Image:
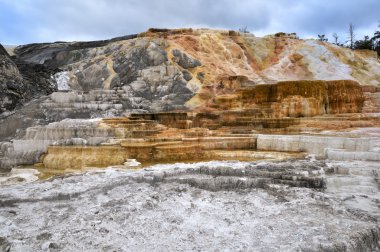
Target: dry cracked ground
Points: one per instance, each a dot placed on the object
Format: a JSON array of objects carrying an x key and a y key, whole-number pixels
[{"x": 298, "y": 205}]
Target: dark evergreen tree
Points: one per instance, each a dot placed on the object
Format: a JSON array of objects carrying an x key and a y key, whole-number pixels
[
  {"x": 322, "y": 37},
  {"x": 376, "y": 41},
  {"x": 366, "y": 43}
]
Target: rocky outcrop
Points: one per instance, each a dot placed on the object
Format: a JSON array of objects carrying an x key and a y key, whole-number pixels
[
  {"x": 303, "y": 98},
  {"x": 12, "y": 87},
  {"x": 21, "y": 81},
  {"x": 5, "y": 245},
  {"x": 59, "y": 54},
  {"x": 136, "y": 71},
  {"x": 163, "y": 70},
  {"x": 37, "y": 78},
  {"x": 184, "y": 61}
]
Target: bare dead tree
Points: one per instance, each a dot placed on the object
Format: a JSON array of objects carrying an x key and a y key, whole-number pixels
[
  {"x": 244, "y": 29},
  {"x": 336, "y": 38},
  {"x": 351, "y": 35}
]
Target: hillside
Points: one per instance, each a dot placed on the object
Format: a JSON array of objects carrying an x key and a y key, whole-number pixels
[{"x": 179, "y": 69}]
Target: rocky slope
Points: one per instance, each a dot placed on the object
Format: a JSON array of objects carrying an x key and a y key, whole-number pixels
[
  {"x": 11, "y": 83},
  {"x": 21, "y": 81},
  {"x": 163, "y": 70}
]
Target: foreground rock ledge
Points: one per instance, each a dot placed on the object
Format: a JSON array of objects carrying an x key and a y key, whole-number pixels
[{"x": 203, "y": 206}]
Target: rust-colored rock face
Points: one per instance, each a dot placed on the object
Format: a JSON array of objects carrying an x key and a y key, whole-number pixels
[
  {"x": 298, "y": 98},
  {"x": 344, "y": 97},
  {"x": 288, "y": 99},
  {"x": 80, "y": 157}
]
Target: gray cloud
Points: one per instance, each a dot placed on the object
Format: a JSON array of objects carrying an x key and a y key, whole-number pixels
[{"x": 52, "y": 20}]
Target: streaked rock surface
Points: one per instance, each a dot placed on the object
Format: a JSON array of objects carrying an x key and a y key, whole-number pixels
[{"x": 214, "y": 205}]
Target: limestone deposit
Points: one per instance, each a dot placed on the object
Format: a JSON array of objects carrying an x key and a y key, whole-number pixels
[
  {"x": 215, "y": 140},
  {"x": 213, "y": 206},
  {"x": 152, "y": 141}
]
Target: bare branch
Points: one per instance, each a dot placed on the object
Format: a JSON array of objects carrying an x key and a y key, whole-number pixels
[{"x": 351, "y": 35}]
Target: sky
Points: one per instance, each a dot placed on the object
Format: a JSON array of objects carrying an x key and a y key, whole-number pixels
[{"x": 29, "y": 21}]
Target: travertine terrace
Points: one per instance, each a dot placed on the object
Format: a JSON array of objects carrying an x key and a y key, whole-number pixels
[{"x": 221, "y": 139}]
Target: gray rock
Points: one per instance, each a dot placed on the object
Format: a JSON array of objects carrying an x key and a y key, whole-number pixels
[
  {"x": 184, "y": 60},
  {"x": 49, "y": 246},
  {"x": 5, "y": 245},
  {"x": 20, "y": 82},
  {"x": 59, "y": 54},
  {"x": 187, "y": 76},
  {"x": 53, "y": 245},
  {"x": 44, "y": 236},
  {"x": 99, "y": 79},
  {"x": 137, "y": 70},
  {"x": 136, "y": 56},
  {"x": 12, "y": 87},
  {"x": 139, "y": 86}
]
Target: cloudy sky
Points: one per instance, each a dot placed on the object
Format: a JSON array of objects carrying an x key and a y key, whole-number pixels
[{"x": 27, "y": 21}]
